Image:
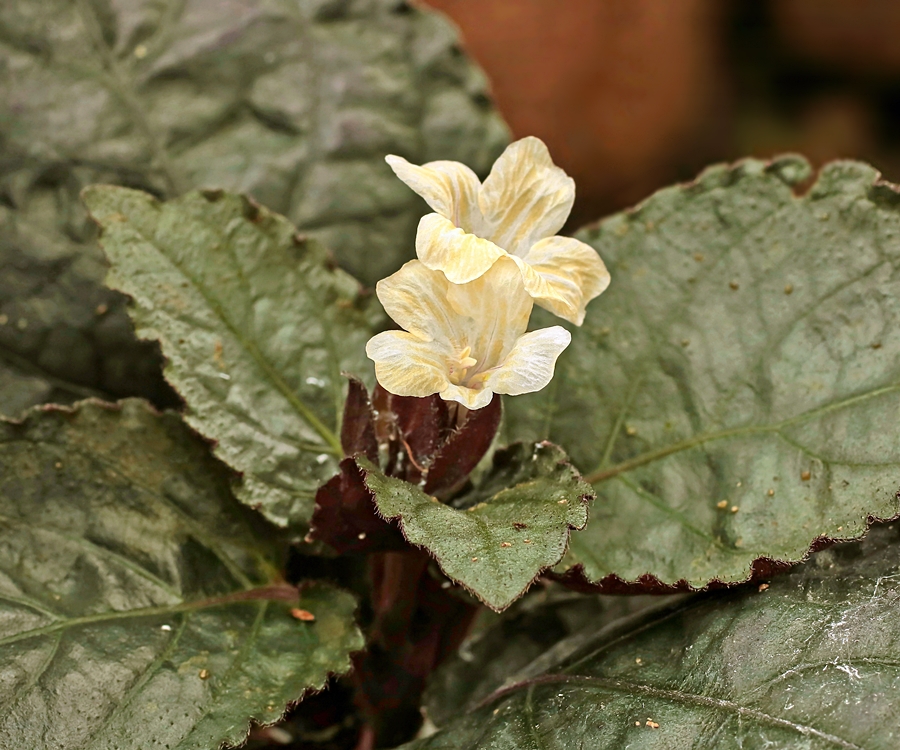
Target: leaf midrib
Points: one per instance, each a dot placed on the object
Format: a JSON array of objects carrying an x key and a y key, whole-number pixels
[
  {"x": 282, "y": 592},
  {"x": 333, "y": 444},
  {"x": 681, "y": 697},
  {"x": 601, "y": 475}
]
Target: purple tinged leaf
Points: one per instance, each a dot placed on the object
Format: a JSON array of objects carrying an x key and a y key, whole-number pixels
[
  {"x": 358, "y": 426},
  {"x": 464, "y": 448},
  {"x": 345, "y": 516}
]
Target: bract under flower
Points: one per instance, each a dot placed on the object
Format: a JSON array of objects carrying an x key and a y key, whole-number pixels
[
  {"x": 516, "y": 214},
  {"x": 462, "y": 341}
]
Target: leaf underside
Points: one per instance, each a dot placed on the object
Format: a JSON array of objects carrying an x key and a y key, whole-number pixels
[
  {"x": 256, "y": 328},
  {"x": 513, "y": 525},
  {"x": 138, "y": 607},
  {"x": 809, "y": 662},
  {"x": 734, "y": 396},
  {"x": 167, "y": 96}
]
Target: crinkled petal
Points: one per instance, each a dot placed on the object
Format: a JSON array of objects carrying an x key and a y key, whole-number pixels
[
  {"x": 462, "y": 257},
  {"x": 565, "y": 274},
  {"x": 468, "y": 397},
  {"x": 525, "y": 197},
  {"x": 416, "y": 299},
  {"x": 407, "y": 366},
  {"x": 530, "y": 364},
  {"x": 449, "y": 187},
  {"x": 494, "y": 309}
]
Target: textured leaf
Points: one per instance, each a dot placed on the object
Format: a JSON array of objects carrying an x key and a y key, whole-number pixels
[
  {"x": 294, "y": 102},
  {"x": 810, "y": 662},
  {"x": 138, "y": 607},
  {"x": 522, "y": 641},
  {"x": 56, "y": 323},
  {"x": 515, "y": 524},
  {"x": 735, "y": 394},
  {"x": 256, "y": 327}
]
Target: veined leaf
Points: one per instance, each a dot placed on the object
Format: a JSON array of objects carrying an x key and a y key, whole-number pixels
[
  {"x": 811, "y": 661},
  {"x": 293, "y": 102},
  {"x": 734, "y": 396},
  {"x": 256, "y": 326},
  {"x": 511, "y": 527},
  {"x": 139, "y": 606}
]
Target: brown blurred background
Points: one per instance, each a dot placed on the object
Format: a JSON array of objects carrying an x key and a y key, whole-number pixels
[{"x": 631, "y": 95}]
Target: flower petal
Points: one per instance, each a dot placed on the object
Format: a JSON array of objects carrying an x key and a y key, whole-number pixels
[
  {"x": 406, "y": 366},
  {"x": 415, "y": 297},
  {"x": 530, "y": 364},
  {"x": 565, "y": 274},
  {"x": 468, "y": 397},
  {"x": 495, "y": 309},
  {"x": 442, "y": 246},
  {"x": 449, "y": 187},
  {"x": 525, "y": 197}
]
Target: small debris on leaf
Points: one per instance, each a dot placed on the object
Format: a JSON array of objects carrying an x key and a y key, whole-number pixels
[
  {"x": 505, "y": 544},
  {"x": 805, "y": 476},
  {"x": 763, "y": 586},
  {"x": 788, "y": 288},
  {"x": 631, "y": 431},
  {"x": 528, "y": 541},
  {"x": 734, "y": 508},
  {"x": 685, "y": 342},
  {"x": 204, "y": 674},
  {"x": 519, "y": 525},
  {"x": 638, "y": 660},
  {"x": 101, "y": 309},
  {"x": 302, "y": 614},
  {"x": 474, "y": 559},
  {"x": 722, "y": 504},
  {"x": 562, "y": 502},
  {"x": 652, "y": 724},
  {"x": 734, "y": 285},
  {"x": 771, "y": 493},
  {"x": 698, "y": 257}
]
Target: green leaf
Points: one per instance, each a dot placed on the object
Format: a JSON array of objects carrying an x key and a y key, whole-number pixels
[
  {"x": 256, "y": 326},
  {"x": 734, "y": 395},
  {"x": 139, "y": 607},
  {"x": 295, "y": 102},
  {"x": 515, "y": 524},
  {"x": 522, "y": 641},
  {"x": 811, "y": 662},
  {"x": 57, "y": 324}
]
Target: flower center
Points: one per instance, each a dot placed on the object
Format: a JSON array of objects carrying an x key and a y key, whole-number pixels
[{"x": 457, "y": 368}]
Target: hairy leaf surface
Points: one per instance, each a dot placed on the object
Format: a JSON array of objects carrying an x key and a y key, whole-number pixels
[
  {"x": 256, "y": 327},
  {"x": 293, "y": 102},
  {"x": 812, "y": 661},
  {"x": 512, "y": 526},
  {"x": 735, "y": 394},
  {"x": 139, "y": 607}
]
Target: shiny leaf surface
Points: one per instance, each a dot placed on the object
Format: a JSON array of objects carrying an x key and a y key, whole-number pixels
[
  {"x": 139, "y": 604},
  {"x": 809, "y": 661},
  {"x": 734, "y": 395}
]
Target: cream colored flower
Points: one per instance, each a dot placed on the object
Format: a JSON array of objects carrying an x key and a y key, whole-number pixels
[
  {"x": 516, "y": 213},
  {"x": 463, "y": 341}
]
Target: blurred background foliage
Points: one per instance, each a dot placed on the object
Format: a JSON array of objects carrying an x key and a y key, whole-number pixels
[{"x": 632, "y": 95}]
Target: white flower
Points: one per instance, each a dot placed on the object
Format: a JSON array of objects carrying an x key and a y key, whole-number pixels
[
  {"x": 516, "y": 213},
  {"x": 463, "y": 341}
]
